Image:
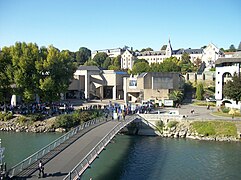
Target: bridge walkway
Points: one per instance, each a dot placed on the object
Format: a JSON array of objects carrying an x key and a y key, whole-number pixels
[{"x": 57, "y": 167}]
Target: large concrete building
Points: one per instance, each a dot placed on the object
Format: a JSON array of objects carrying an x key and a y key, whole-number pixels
[
  {"x": 92, "y": 82},
  {"x": 155, "y": 86},
  {"x": 225, "y": 70}
]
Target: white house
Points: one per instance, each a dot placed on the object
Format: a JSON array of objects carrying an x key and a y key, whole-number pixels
[
  {"x": 110, "y": 52},
  {"x": 225, "y": 69}
]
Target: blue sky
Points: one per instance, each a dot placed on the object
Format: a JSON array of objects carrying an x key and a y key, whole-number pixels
[{"x": 101, "y": 24}]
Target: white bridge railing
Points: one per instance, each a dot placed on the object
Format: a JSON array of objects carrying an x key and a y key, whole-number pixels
[
  {"x": 78, "y": 170},
  {"x": 39, "y": 154}
]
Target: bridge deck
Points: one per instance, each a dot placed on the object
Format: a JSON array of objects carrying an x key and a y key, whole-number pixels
[{"x": 59, "y": 166}]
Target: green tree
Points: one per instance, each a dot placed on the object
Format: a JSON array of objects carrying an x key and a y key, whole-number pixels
[
  {"x": 90, "y": 62},
  {"x": 82, "y": 55},
  {"x": 106, "y": 63},
  {"x": 199, "y": 91},
  {"x": 100, "y": 58},
  {"x": 239, "y": 47},
  {"x": 170, "y": 65},
  {"x": 140, "y": 60},
  {"x": 146, "y": 49},
  {"x": 117, "y": 62},
  {"x": 232, "y": 48},
  {"x": 155, "y": 67},
  {"x": 176, "y": 96},
  {"x": 140, "y": 67},
  {"x": 6, "y": 76},
  {"x": 232, "y": 89},
  {"x": 56, "y": 72},
  {"x": 24, "y": 58}
]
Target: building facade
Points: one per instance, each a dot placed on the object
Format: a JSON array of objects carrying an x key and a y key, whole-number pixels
[
  {"x": 110, "y": 52},
  {"x": 155, "y": 86},
  {"x": 91, "y": 82},
  {"x": 226, "y": 68}
]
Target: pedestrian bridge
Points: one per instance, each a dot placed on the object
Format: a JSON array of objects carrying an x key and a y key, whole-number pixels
[{"x": 71, "y": 154}]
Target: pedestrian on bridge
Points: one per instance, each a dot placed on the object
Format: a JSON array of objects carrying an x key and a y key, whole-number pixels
[{"x": 41, "y": 169}]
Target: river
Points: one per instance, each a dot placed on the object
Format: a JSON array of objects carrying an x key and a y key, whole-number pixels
[{"x": 143, "y": 157}]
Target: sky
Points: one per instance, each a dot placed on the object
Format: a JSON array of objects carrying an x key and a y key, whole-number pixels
[{"x": 105, "y": 24}]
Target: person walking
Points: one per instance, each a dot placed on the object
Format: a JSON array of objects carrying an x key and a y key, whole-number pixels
[{"x": 41, "y": 169}]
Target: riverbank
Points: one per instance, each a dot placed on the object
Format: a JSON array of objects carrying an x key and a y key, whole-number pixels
[{"x": 200, "y": 130}]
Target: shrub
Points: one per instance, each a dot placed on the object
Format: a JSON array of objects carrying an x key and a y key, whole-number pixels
[
  {"x": 172, "y": 124},
  {"x": 6, "y": 116},
  {"x": 22, "y": 119},
  {"x": 225, "y": 109},
  {"x": 159, "y": 125}
]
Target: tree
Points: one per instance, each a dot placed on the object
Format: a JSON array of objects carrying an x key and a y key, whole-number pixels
[
  {"x": 239, "y": 47},
  {"x": 99, "y": 58},
  {"x": 106, "y": 63},
  {"x": 140, "y": 60},
  {"x": 146, "y": 49},
  {"x": 82, "y": 55},
  {"x": 170, "y": 65},
  {"x": 232, "y": 89},
  {"x": 232, "y": 48},
  {"x": 6, "y": 77},
  {"x": 56, "y": 72},
  {"x": 176, "y": 96},
  {"x": 164, "y": 47},
  {"x": 116, "y": 63},
  {"x": 24, "y": 58},
  {"x": 140, "y": 67},
  {"x": 199, "y": 91},
  {"x": 155, "y": 67}
]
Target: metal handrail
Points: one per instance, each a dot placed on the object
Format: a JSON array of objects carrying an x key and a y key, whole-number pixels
[
  {"x": 76, "y": 172},
  {"x": 39, "y": 154}
]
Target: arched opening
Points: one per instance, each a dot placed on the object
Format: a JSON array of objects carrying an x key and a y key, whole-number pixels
[{"x": 226, "y": 77}]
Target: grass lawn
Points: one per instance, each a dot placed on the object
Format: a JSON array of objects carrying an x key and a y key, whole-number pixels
[
  {"x": 215, "y": 128},
  {"x": 220, "y": 113},
  {"x": 203, "y": 103}
]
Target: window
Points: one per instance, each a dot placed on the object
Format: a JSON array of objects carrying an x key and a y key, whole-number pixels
[
  {"x": 218, "y": 92},
  {"x": 218, "y": 72}
]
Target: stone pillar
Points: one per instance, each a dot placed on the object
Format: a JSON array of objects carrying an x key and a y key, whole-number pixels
[
  {"x": 114, "y": 93},
  {"x": 101, "y": 92},
  {"x": 87, "y": 84}
]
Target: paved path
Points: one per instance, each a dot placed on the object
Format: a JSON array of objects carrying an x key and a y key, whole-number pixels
[{"x": 58, "y": 167}]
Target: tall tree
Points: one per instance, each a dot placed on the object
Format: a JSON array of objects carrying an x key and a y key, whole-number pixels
[
  {"x": 199, "y": 91},
  {"x": 232, "y": 89},
  {"x": 140, "y": 60},
  {"x": 99, "y": 58},
  {"x": 24, "y": 57},
  {"x": 82, "y": 55},
  {"x": 232, "y": 48},
  {"x": 106, "y": 63},
  {"x": 6, "y": 76},
  {"x": 56, "y": 73},
  {"x": 170, "y": 65},
  {"x": 140, "y": 67},
  {"x": 146, "y": 49},
  {"x": 239, "y": 47}
]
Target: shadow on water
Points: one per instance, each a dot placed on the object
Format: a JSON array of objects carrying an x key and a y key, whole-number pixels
[{"x": 116, "y": 162}]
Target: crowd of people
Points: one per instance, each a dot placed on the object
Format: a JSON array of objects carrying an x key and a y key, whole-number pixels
[{"x": 43, "y": 108}]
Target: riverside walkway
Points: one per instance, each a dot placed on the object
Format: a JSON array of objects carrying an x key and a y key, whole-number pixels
[{"x": 60, "y": 161}]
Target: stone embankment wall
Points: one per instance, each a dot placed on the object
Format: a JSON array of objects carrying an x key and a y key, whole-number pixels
[
  {"x": 36, "y": 127},
  {"x": 182, "y": 129}
]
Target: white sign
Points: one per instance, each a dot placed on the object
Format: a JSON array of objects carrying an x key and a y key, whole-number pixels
[{"x": 168, "y": 102}]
